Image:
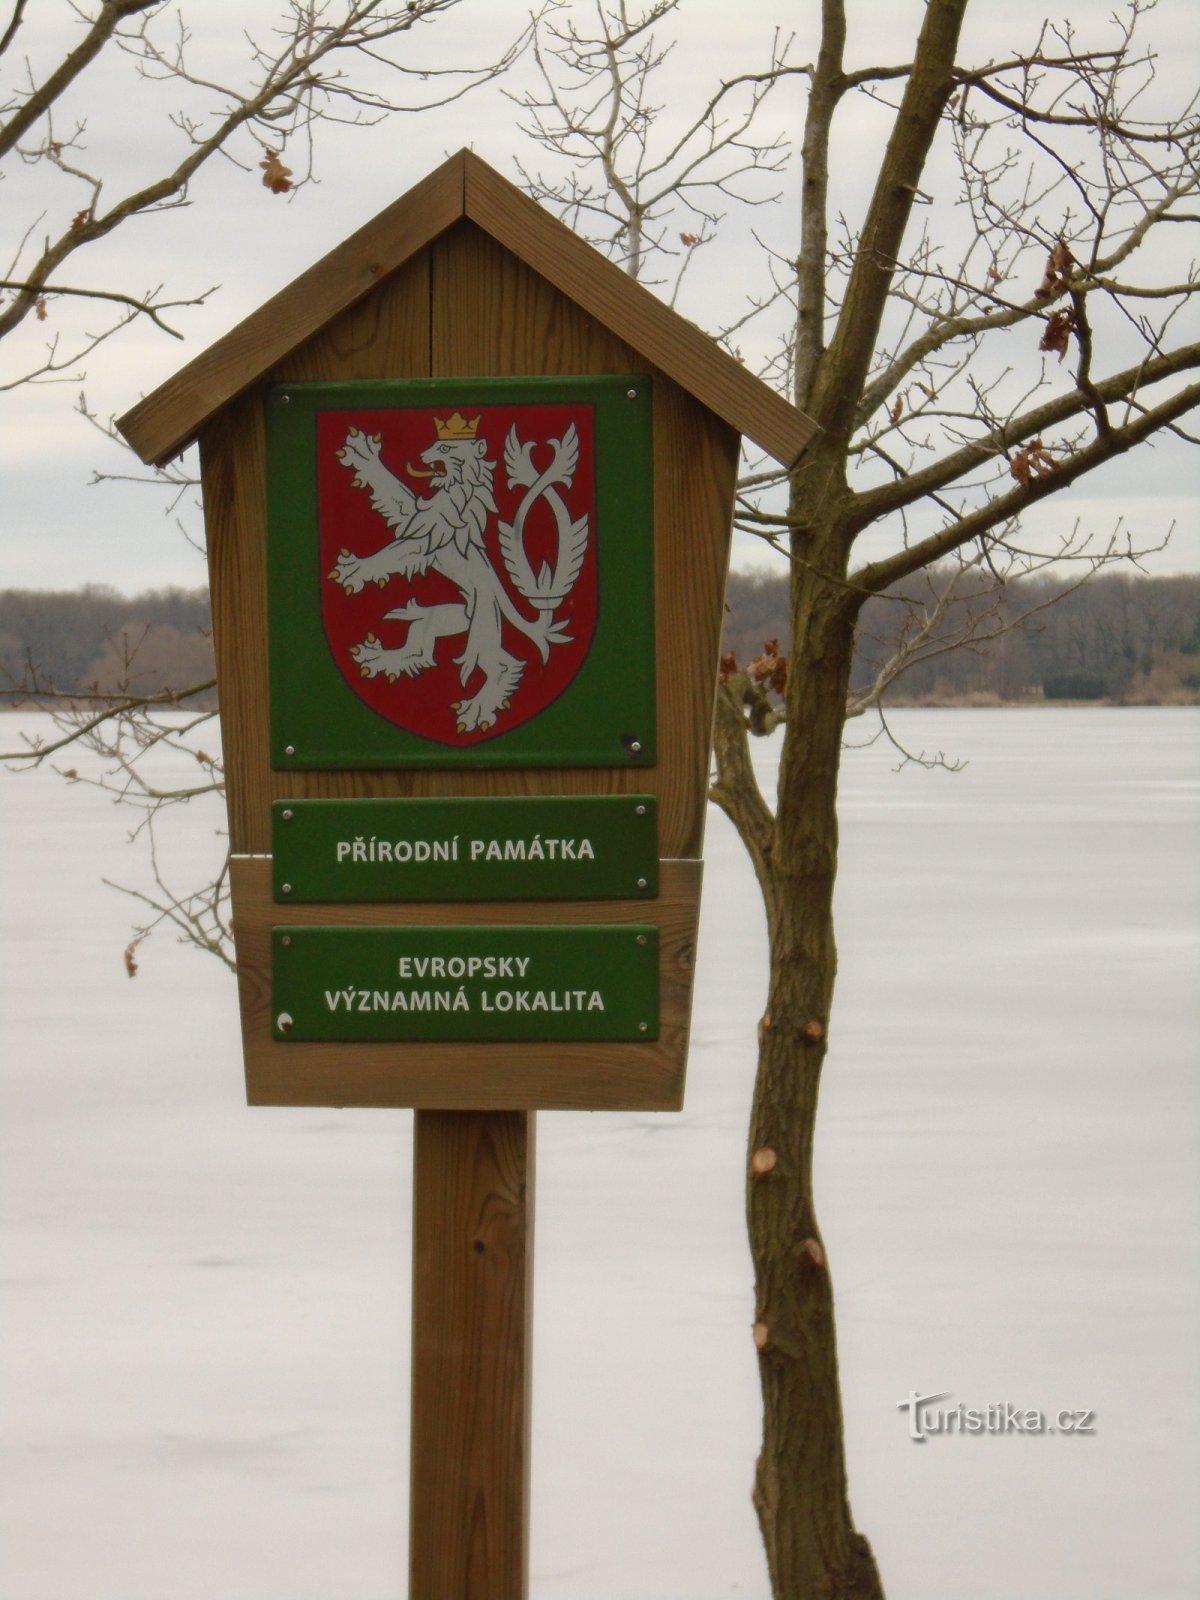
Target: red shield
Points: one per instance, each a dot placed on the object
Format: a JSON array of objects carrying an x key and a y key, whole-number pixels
[{"x": 458, "y": 562}]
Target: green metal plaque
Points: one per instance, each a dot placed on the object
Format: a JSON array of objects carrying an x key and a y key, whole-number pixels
[
  {"x": 461, "y": 573},
  {"x": 545, "y": 848},
  {"x": 464, "y": 983}
]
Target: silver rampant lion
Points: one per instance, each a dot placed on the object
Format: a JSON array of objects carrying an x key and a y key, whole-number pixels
[{"x": 443, "y": 532}]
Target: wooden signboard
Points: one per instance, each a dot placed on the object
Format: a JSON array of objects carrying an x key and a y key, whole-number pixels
[
  {"x": 465, "y": 327},
  {"x": 468, "y": 494}
]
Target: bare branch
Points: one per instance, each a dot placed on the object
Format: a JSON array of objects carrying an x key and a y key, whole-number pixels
[
  {"x": 828, "y": 86},
  {"x": 299, "y": 81},
  {"x": 14, "y": 22},
  {"x": 870, "y": 505},
  {"x": 734, "y": 788},
  {"x": 112, "y": 13},
  {"x": 140, "y": 305},
  {"x": 35, "y": 751},
  {"x": 844, "y": 366},
  {"x": 877, "y": 575},
  {"x": 652, "y": 197}
]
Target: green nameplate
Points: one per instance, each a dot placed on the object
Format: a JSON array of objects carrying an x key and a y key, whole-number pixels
[
  {"x": 464, "y": 983},
  {"x": 577, "y": 848}
]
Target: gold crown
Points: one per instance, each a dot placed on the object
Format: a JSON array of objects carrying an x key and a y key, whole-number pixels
[{"x": 457, "y": 427}]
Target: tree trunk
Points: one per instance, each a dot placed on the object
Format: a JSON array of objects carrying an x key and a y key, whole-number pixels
[{"x": 813, "y": 1549}]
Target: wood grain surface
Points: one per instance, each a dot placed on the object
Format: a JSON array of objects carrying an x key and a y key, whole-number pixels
[
  {"x": 491, "y": 316},
  {"x": 472, "y": 1297},
  {"x": 580, "y": 1075},
  {"x": 464, "y": 186}
]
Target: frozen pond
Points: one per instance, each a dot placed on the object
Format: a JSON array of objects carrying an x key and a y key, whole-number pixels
[{"x": 204, "y": 1340}]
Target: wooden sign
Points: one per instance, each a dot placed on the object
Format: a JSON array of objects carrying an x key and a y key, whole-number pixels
[{"x": 468, "y": 494}]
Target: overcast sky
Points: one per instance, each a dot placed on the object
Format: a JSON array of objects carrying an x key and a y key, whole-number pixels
[{"x": 59, "y": 532}]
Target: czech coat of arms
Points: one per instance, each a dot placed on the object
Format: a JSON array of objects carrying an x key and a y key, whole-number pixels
[{"x": 458, "y": 560}]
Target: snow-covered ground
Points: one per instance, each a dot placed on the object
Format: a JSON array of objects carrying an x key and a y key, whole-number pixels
[{"x": 203, "y": 1309}]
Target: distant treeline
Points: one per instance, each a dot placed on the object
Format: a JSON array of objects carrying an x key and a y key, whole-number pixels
[
  {"x": 1120, "y": 637},
  {"x": 96, "y": 640}
]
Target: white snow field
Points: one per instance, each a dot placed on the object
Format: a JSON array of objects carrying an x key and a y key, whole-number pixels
[{"x": 204, "y": 1334}]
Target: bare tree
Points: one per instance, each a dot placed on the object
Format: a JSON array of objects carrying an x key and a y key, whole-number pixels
[
  {"x": 259, "y": 100},
  {"x": 310, "y": 64},
  {"x": 649, "y": 190},
  {"x": 894, "y": 359},
  {"x": 998, "y": 316}
]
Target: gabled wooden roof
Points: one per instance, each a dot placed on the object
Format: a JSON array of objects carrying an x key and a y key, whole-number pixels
[{"x": 165, "y": 422}]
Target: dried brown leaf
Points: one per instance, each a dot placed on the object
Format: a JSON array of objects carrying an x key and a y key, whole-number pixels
[
  {"x": 276, "y": 176},
  {"x": 770, "y": 668},
  {"x": 1058, "y": 265},
  {"x": 1031, "y": 461},
  {"x": 1057, "y": 336}
]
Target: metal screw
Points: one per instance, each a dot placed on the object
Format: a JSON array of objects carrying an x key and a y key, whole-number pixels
[
  {"x": 289, "y": 749},
  {"x": 284, "y": 1022},
  {"x": 287, "y": 815},
  {"x": 631, "y": 394},
  {"x": 635, "y": 747},
  {"x": 285, "y": 888},
  {"x": 638, "y": 811},
  {"x": 641, "y": 938},
  {"x": 285, "y": 399},
  {"x": 642, "y": 885},
  {"x": 287, "y": 939},
  {"x": 643, "y": 1027}
]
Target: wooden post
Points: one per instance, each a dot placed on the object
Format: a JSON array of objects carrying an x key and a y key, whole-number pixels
[{"x": 472, "y": 1297}]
